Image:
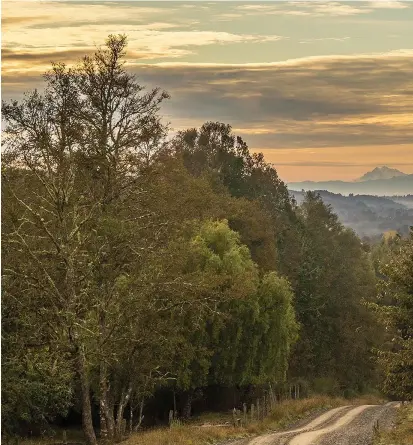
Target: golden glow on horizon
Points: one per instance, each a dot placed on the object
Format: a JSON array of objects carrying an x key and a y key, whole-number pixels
[
  {"x": 329, "y": 99},
  {"x": 337, "y": 163}
]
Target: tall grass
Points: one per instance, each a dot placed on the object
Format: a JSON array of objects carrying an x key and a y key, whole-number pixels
[
  {"x": 283, "y": 415},
  {"x": 402, "y": 434},
  {"x": 214, "y": 428}
]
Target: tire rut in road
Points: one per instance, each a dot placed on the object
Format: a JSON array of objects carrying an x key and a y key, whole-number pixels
[
  {"x": 281, "y": 438},
  {"x": 360, "y": 430},
  {"x": 347, "y": 425},
  {"x": 313, "y": 436}
]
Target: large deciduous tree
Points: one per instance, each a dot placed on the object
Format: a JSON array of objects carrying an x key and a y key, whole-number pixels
[
  {"x": 112, "y": 269},
  {"x": 216, "y": 153},
  {"x": 71, "y": 169}
]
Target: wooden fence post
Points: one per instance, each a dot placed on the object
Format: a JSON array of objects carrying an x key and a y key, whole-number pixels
[
  {"x": 234, "y": 417},
  {"x": 272, "y": 398},
  {"x": 171, "y": 417},
  {"x": 244, "y": 407},
  {"x": 258, "y": 410},
  {"x": 252, "y": 412}
]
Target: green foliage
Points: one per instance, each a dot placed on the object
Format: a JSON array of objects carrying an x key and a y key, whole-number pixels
[
  {"x": 36, "y": 383},
  {"x": 132, "y": 263},
  {"x": 231, "y": 276},
  {"x": 218, "y": 252},
  {"x": 253, "y": 344},
  {"x": 213, "y": 151},
  {"x": 326, "y": 385},
  {"x": 247, "y": 339},
  {"x": 334, "y": 278},
  {"x": 395, "y": 310},
  {"x": 277, "y": 313},
  {"x": 382, "y": 251},
  {"x": 35, "y": 390}
]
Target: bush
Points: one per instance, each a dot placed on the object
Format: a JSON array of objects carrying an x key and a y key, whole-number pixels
[{"x": 326, "y": 385}]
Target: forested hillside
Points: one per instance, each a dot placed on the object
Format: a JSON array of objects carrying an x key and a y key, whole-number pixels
[
  {"x": 369, "y": 216},
  {"x": 142, "y": 271},
  {"x": 397, "y": 185}
]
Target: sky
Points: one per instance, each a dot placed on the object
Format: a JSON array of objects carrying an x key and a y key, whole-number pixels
[{"x": 323, "y": 89}]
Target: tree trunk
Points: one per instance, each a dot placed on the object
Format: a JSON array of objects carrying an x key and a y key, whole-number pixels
[
  {"x": 85, "y": 394},
  {"x": 106, "y": 417},
  {"x": 121, "y": 408},
  {"x": 136, "y": 427},
  {"x": 107, "y": 421},
  {"x": 103, "y": 424},
  {"x": 130, "y": 418},
  {"x": 187, "y": 406}
]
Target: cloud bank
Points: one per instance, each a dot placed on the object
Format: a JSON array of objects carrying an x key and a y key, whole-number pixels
[
  {"x": 336, "y": 91},
  {"x": 315, "y": 102}
]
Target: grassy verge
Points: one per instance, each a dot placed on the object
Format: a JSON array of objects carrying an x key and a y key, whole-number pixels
[
  {"x": 215, "y": 428},
  {"x": 402, "y": 434},
  {"x": 54, "y": 436},
  {"x": 208, "y": 429}
]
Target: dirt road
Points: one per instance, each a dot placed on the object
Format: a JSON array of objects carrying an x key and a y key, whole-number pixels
[{"x": 347, "y": 425}]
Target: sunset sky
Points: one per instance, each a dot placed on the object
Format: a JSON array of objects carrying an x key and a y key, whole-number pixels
[{"x": 324, "y": 89}]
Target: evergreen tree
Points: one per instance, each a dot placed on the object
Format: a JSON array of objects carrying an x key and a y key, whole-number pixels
[
  {"x": 334, "y": 278},
  {"x": 395, "y": 310}
]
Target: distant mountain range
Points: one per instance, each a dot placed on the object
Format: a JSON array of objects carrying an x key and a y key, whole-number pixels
[
  {"x": 369, "y": 216},
  {"x": 382, "y": 181},
  {"x": 382, "y": 173}
]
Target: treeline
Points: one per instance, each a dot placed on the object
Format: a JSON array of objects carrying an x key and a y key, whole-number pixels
[
  {"x": 393, "y": 262},
  {"x": 134, "y": 261}
]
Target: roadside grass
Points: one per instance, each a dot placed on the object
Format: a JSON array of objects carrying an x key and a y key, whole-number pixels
[
  {"x": 402, "y": 433},
  {"x": 209, "y": 429},
  {"x": 215, "y": 428},
  {"x": 55, "y": 436}
]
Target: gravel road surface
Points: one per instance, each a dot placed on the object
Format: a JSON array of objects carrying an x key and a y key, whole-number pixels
[
  {"x": 360, "y": 430},
  {"x": 347, "y": 425}
]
